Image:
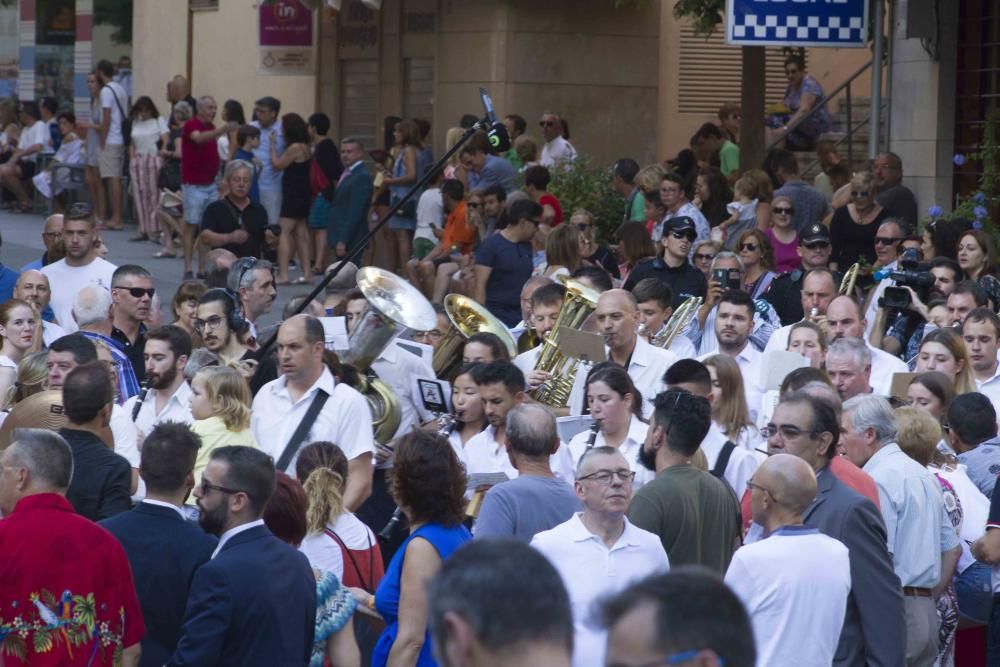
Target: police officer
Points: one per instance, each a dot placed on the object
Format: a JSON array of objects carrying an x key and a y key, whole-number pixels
[{"x": 786, "y": 290}]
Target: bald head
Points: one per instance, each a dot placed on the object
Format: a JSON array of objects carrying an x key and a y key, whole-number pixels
[
  {"x": 619, "y": 298},
  {"x": 600, "y": 458},
  {"x": 617, "y": 316},
  {"x": 844, "y": 318},
  {"x": 790, "y": 480}
]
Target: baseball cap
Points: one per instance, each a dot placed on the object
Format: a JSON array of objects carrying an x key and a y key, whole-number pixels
[
  {"x": 680, "y": 223},
  {"x": 814, "y": 234}
]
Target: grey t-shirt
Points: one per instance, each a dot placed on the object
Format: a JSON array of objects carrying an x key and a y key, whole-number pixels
[
  {"x": 809, "y": 203},
  {"x": 982, "y": 465},
  {"x": 526, "y": 505}
]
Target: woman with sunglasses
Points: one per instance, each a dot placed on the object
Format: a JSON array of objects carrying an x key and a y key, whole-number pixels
[
  {"x": 672, "y": 266},
  {"x": 854, "y": 227},
  {"x": 758, "y": 262},
  {"x": 594, "y": 252},
  {"x": 703, "y": 254},
  {"x": 783, "y": 237}
]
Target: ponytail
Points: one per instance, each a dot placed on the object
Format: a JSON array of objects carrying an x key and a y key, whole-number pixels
[{"x": 324, "y": 492}]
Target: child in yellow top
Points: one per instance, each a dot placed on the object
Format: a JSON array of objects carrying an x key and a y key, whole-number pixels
[{"x": 220, "y": 404}]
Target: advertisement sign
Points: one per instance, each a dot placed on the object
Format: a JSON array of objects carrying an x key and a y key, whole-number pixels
[
  {"x": 285, "y": 38},
  {"x": 833, "y": 23}
]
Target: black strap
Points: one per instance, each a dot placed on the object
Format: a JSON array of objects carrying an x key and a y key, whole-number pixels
[
  {"x": 303, "y": 429},
  {"x": 719, "y": 469},
  {"x": 371, "y": 559}
]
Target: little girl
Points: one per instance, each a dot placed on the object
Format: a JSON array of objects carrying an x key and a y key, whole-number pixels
[
  {"x": 742, "y": 214},
  {"x": 220, "y": 404}
]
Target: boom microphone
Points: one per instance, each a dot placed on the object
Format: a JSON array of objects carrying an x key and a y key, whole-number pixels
[{"x": 497, "y": 133}]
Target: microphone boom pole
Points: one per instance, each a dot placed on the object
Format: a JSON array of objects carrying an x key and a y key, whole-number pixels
[{"x": 483, "y": 124}]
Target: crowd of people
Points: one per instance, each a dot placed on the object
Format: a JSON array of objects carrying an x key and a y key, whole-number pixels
[{"x": 764, "y": 412}]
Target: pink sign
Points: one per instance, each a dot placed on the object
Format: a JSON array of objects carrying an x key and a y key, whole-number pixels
[{"x": 285, "y": 23}]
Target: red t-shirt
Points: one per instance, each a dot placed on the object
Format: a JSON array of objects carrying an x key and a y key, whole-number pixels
[
  {"x": 199, "y": 162},
  {"x": 66, "y": 591}
]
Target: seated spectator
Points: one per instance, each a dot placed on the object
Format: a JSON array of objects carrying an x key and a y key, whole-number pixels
[
  {"x": 21, "y": 166},
  {"x": 433, "y": 273},
  {"x": 70, "y": 152}
]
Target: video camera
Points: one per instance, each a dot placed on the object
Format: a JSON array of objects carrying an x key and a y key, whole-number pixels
[{"x": 913, "y": 274}]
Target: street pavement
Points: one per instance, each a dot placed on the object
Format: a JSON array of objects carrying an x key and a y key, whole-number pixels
[{"x": 22, "y": 243}]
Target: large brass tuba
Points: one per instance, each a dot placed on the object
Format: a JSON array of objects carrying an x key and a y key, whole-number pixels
[
  {"x": 678, "y": 320},
  {"x": 467, "y": 318},
  {"x": 579, "y": 302},
  {"x": 393, "y": 306}
]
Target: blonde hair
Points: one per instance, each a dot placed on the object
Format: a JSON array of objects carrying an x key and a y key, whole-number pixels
[
  {"x": 324, "y": 467},
  {"x": 918, "y": 433},
  {"x": 765, "y": 189},
  {"x": 745, "y": 186},
  {"x": 955, "y": 344},
  {"x": 648, "y": 178},
  {"x": 226, "y": 389},
  {"x": 732, "y": 411}
]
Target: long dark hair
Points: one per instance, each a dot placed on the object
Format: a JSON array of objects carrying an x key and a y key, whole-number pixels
[
  {"x": 144, "y": 103},
  {"x": 618, "y": 380},
  {"x": 719, "y": 194},
  {"x": 295, "y": 129},
  {"x": 232, "y": 110}
]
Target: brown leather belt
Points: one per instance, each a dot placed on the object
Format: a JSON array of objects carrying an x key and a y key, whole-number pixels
[{"x": 913, "y": 592}]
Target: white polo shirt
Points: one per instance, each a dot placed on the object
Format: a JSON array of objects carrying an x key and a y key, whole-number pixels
[
  {"x": 742, "y": 463},
  {"x": 177, "y": 409},
  {"x": 345, "y": 420},
  {"x": 646, "y": 368},
  {"x": 629, "y": 449},
  {"x": 591, "y": 571},
  {"x": 397, "y": 368},
  {"x": 794, "y": 585},
  {"x": 483, "y": 454}
]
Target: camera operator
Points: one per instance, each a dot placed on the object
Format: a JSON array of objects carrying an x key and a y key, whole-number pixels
[
  {"x": 904, "y": 327},
  {"x": 889, "y": 242}
]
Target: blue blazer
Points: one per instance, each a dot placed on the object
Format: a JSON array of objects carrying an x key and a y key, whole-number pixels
[
  {"x": 874, "y": 632},
  {"x": 164, "y": 551},
  {"x": 253, "y": 604},
  {"x": 351, "y": 200}
]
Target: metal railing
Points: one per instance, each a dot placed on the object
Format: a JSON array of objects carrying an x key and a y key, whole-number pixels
[{"x": 845, "y": 86}]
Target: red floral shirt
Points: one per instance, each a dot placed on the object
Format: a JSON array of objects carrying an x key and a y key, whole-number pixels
[{"x": 66, "y": 591}]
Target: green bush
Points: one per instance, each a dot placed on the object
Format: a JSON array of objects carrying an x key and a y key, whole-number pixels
[{"x": 581, "y": 183}]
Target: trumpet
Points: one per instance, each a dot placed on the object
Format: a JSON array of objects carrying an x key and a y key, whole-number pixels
[
  {"x": 579, "y": 302},
  {"x": 678, "y": 320}
]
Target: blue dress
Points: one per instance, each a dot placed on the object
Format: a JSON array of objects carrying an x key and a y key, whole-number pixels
[{"x": 446, "y": 539}]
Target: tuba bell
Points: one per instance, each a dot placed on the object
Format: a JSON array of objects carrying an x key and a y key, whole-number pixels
[
  {"x": 394, "y": 306},
  {"x": 579, "y": 302},
  {"x": 467, "y": 318},
  {"x": 678, "y": 320}
]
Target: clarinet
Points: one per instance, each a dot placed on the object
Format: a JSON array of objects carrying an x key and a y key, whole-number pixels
[
  {"x": 448, "y": 425},
  {"x": 144, "y": 389},
  {"x": 595, "y": 426}
]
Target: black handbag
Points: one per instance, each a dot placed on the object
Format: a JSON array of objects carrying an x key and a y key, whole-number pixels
[{"x": 407, "y": 210}]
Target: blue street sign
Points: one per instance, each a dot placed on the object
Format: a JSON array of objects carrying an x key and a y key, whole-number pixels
[{"x": 835, "y": 23}]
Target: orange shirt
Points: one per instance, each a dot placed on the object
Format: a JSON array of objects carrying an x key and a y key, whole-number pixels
[{"x": 458, "y": 231}]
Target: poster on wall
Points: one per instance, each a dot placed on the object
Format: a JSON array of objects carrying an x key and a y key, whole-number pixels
[
  {"x": 8, "y": 51},
  {"x": 285, "y": 38},
  {"x": 56, "y": 23},
  {"x": 54, "y": 73}
]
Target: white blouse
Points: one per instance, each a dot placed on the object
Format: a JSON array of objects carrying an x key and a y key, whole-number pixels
[{"x": 145, "y": 134}]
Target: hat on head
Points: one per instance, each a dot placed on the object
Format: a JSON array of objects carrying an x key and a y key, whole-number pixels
[
  {"x": 814, "y": 233},
  {"x": 680, "y": 223}
]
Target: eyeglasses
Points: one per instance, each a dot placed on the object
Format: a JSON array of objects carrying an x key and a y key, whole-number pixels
[
  {"x": 51, "y": 235},
  {"x": 884, "y": 240},
  {"x": 206, "y": 487},
  {"x": 139, "y": 292},
  {"x": 817, "y": 245},
  {"x": 605, "y": 476},
  {"x": 782, "y": 210},
  {"x": 749, "y": 247},
  {"x": 546, "y": 123},
  {"x": 473, "y": 204},
  {"x": 787, "y": 431},
  {"x": 689, "y": 235},
  {"x": 703, "y": 257},
  {"x": 751, "y": 485},
  {"x": 433, "y": 334},
  {"x": 859, "y": 193},
  {"x": 214, "y": 322}
]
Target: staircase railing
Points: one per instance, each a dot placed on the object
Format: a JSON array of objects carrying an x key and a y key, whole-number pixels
[{"x": 845, "y": 86}]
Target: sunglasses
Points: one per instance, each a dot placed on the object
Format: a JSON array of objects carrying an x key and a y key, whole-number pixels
[
  {"x": 859, "y": 193},
  {"x": 690, "y": 236},
  {"x": 583, "y": 226},
  {"x": 702, "y": 257},
  {"x": 781, "y": 210},
  {"x": 546, "y": 123},
  {"x": 139, "y": 292},
  {"x": 749, "y": 247},
  {"x": 883, "y": 240},
  {"x": 818, "y": 245}
]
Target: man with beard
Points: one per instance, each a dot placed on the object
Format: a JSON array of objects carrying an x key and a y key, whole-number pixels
[
  {"x": 132, "y": 293},
  {"x": 599, "y": 551},
  {"x": 733, "y": 324},
  {"x": 80, "y": 266},
  {"x": 33, "y": 286},
  {"x": 252, "y": 280},
  {"x": 501, "y": 386},
  {"x": 163, "y": 549},
  {"x": 254, "y": 602},
  {"x": 169, "y": 396},
  {"x": 695, "y": 514},
  {"x": 221, "y": 326},
  {"x": 617, "y": 316}
]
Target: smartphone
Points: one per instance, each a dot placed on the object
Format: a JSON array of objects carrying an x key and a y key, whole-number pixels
[{"x": 728, "y": 278}]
